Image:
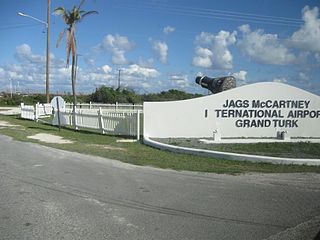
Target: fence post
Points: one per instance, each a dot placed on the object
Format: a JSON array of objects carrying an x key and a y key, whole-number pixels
[
  {"x": 74, "y": 114},
  {"x": 22, "y": 112},
  {"x": 36, "y": 112},
  {"x": 138, "y": 125},
  {"x": 100, "y": 119}
]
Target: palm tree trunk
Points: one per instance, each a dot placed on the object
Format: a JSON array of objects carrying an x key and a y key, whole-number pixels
[{"x": 73, "y": 82}]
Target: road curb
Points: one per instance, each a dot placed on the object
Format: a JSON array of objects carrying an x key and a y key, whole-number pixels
[{"x": 231, "y": 156}]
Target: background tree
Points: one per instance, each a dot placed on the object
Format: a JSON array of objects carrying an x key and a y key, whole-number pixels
[{"x": 71, "y": 18}]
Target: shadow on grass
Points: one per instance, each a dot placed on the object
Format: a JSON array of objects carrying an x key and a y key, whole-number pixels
[{"x": 43, "y": 128}]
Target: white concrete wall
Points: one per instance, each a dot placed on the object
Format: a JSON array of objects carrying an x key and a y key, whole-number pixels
[{"x": 187, "y": 118}]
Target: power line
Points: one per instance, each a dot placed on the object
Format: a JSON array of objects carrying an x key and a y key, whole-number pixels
[
  {"x": 212, "y": 13},
  {"x": 19, "y": 26}
]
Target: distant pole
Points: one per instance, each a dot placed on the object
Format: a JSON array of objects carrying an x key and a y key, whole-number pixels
[
  {"x": 48, "y": 53},
  {"x": 47, "y": 24},
  {"x": 119, "y": 79},
  {"x": 58, "y": 112},
  {"x": 11, "y": 87}
]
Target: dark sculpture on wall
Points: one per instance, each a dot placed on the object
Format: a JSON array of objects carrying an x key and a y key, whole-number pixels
[{"x": 216, "y": 85}]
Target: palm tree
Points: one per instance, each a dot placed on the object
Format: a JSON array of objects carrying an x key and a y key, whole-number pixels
[{"x": 71, "y": 18}]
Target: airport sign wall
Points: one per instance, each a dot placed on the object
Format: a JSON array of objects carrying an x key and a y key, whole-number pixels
[{"x": 260, "y": 110}]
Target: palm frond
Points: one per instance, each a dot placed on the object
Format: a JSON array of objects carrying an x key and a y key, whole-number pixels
[
  {"x": 59, "y": 11},
  {"x": 60, "y": 37},
  {"x": 71, "y": 17},
  {"x": 66, "y": 18},
  {"x": 86, "y": 13},
  {"x": 82, "y": 2},
  {"x": 89, "y": 13}
]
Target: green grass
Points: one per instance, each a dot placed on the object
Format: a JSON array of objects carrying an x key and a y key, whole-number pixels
[
  {"x": 137, "y": 153},
  {"x": 275, "y": 149}
]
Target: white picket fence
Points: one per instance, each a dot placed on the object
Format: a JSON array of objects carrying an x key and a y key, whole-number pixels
[
  {"x": 106, "y": 106},
  {"x": 35, "y": 112},
  {"x": 120, "y": 122},
  {"x": 113, "y": 119},
  {"x": 27, "y": 112}
]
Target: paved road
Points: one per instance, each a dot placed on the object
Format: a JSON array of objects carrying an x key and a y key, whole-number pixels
[{"x": 52, "y": 194}]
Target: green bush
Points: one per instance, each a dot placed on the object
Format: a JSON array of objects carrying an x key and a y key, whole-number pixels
[
  {"x": 101, "y": 95},
  {"x": 109, "y": 95},
  {"x": 16, "y": 99}
]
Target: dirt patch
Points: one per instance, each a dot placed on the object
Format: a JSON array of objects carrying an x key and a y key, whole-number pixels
[
  {"x": 49, "y": 138},
  {"x": 109, "y": 147},
  {"x": 10, "y": 110},
  {"x": 7, "y": 124}
]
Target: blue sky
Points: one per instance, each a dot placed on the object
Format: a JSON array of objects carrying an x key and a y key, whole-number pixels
[{"x": 164, "y": 44}]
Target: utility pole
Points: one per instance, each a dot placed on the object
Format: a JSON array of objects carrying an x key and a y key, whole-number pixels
[
  {"x": 119, "y": 79},
  {"x": 48, "y": 53},
  {"x": 47, "y": 24},
  {"x": 11, "y": 88}
]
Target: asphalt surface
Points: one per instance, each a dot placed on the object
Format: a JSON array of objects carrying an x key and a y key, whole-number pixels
[{"x": 52, "y": 194}]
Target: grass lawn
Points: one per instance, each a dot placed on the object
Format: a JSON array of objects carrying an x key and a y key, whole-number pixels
[
  {"x": 139, "y": 154},
  {"x": 274, "y": 149}
]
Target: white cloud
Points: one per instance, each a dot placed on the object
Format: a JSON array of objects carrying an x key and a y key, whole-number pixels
[
  {"x": 168, "y": 30},
  {"x": 145, "y": 63},
  {"x": 264, "y": 48},
  {"x": 117, "y": 45},
  {"x": 179, "y": 81},
  {"x": 317, "y": 57},
  {"x": 118, "y": 57},
  {"x": 23, "y": 50},
  {"x": 212, "y": 50},
  {"x": 106, "y": 68},
  {"x": 29, "y": 70},
  {"x": 161, "y": 49},
  {"x": 117, "y": 42},
  {"x": 31, "y": 75},
  {"x": 205, "y": 38},
  {"x": 280, "y": 80},
  {"x": 90, "y": 61},
  {"x": 24, "y": 54},
  {"x": 15, "y": 75},
  {"x": 241, "y": 75},
  {"x": 303, "y": 76},
  {"x": 308, "y": 36},
  {"x": 97, "y": 76},
  {"x": 138, "y": 71},
  {"x": 244, "y": 28},
  {"x": 202, "y": 58},
  {"x": 63, "y": 72}
]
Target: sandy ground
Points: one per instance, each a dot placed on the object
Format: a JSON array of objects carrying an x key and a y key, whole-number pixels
[
  {"x": 109, "y": 147},
  {"x": 49, "y": 138},
  {"x": 10, "y": 110},
  {"x": 43, "y": 137},
  {"x": 6, "y": 124}
]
